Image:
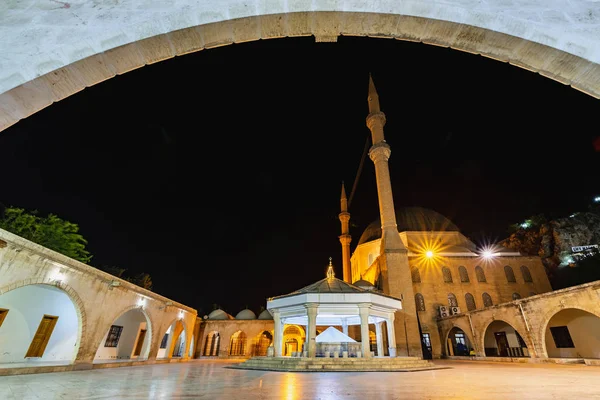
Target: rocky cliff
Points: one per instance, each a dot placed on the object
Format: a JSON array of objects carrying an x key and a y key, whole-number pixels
[{"x": 553, "y": 240}]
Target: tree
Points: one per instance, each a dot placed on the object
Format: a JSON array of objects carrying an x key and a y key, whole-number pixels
[
  {"x": 142, "y": 279},
  {"x": 51, "y": 231}
]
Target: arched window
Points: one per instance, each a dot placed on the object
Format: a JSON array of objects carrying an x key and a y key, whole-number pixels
[
  {"x": 510, "y": 275},
  {"x": 447, "y": 275},
  {"x": 237, "y": 346},
  {"x": 526, "y": 274},
  {"x": 470, "y": 300},
  {"x": 516, "y": 296},
  {"x": 464, "y": 275},
  {"x": 416, "y": 275},
  {"x": 452, "y": 302},
  {"x": 420, "y": 301},
  {"x": 487, "y": 300},
  {"x": 480, "y": 274}
]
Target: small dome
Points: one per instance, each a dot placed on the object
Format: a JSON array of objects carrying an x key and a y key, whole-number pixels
[
  {"x": 219, "y": 314},
  {"x": 364, "y": 284},
  {"x": 415, "y": 219},
  {"x": 265, "y": 315},
  {"x": 246, "y": 314}
]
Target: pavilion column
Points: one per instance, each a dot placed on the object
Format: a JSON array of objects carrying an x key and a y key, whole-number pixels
[
  {"x": 379, "y": 334},
  {"x": 345, "y": 326},
  {"x": 311, "y": 331},
  {"x": 277, "y": 333},
  {"x": 391, "y": 334},
  {"x": 363, "y": 310}
]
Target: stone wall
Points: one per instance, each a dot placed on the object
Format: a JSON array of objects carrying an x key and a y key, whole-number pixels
[
  {"x": 531, "y": 317},
  {"x": 226, "y": 329},
  {"x": 98, "y": 297}
]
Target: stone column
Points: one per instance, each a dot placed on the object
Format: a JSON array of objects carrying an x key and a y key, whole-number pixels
[
  {"x": 379, "y": 334},
  {"x": 277, "y": 333},
  {"x": 345, "y": 327},
  {"x": 391, "y": 335},
  {"x": 363, "y": 310},
  {"x": 311, "y": 332}
]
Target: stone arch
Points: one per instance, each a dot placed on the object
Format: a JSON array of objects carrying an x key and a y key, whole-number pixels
[
  {"x": 517, "y": 327},
  {"x": 460, "y": 326},
  {"x": 150, "y": 328},
  {"x": 27, "y": 92},
  {"x": 73, "y": 295},
  {"x": 541, "y": 332},
  {"x": 238, "y": 343},
  {"x": 212, "y": 343},
  {"x": 172, "y": 340}
]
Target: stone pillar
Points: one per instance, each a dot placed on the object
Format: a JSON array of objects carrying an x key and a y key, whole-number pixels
[
  {"x": 345, "y": 327},
  {"x": 391, "y": 335},
  {"x": 365, "y": 347},
  {"x": 311, "y": 332},
  {"x": 379, "y": 334},
  {"x": 277, "y": 333}
]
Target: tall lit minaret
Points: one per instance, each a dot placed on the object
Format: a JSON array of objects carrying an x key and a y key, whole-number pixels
[
  {"x": 345, "y": 237},
  {"x": 393, "y": 260}
]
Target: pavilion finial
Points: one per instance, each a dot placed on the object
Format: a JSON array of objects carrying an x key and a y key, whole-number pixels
[{"x": 330, "y": 273}]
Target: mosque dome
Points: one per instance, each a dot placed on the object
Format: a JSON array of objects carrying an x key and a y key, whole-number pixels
[
  {"x": 246, "y": 314},
  {"x": 363, "y": 284},
  {"x": 265, "y": 315},
  {"x": 415, "y": 219},
  {"x": 219, "y": 314}
]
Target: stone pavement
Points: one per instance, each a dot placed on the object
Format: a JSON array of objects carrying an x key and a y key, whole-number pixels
[{"x": 207, "y": 379}]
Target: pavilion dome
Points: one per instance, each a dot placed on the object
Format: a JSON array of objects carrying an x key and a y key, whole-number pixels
[
  {"x": 246, "y": 314},
  {"x": 363, "y": 284},
  {"x": 219, "y": 314},
  {"x": 413, "y": 219},
  {"x": 265, "y": 315}
]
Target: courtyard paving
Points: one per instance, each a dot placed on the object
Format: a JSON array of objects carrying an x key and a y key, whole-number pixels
[{"x": 203, "y": 379}]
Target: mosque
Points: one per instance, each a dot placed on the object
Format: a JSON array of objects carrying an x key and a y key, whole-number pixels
[
  {"x": 414, "y": 287},
  {"x": 413, "y": 254}
]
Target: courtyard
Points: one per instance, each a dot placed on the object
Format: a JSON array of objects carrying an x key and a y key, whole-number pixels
[{"x": 208, "y": 379}]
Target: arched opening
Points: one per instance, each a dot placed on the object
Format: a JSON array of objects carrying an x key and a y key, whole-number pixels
[
  {"x": 293, "y": 339},
  {"x": 458, "y": 343},
  {"x": 573, "y": 333},
  {"x": 373, "y": 342},
  {"x": 262, "y": 343},
  {"x": 38, "y": 323},
  {"x": 502, "y": 340},
  {"x": 212, "y": 344},
  {"x": 173, "y": 342},
  {"x": 237, "y": 345},
  {"x": 128, "y": 337}
]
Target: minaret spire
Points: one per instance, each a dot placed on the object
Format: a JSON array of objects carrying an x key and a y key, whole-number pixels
[
  {"x": 345, "y": 237},
  {"x": 373, "y": 97}
]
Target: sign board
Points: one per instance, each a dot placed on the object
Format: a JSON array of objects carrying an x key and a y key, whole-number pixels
[{"x": 578, "y": 249}]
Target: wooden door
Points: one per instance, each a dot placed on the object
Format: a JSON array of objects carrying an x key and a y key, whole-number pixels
[
  {"x": 3, "y": 313},
  {"x": 502, "y": 343},
  {"x": 42, "y": 336},
  {"x": 140, "y": 343}
]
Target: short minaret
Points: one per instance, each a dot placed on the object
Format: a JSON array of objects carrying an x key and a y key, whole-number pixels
[
  {"x": 345, "y": 237},
  {"x": 395, "y": 269}
]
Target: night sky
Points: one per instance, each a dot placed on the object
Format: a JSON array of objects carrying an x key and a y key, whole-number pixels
[{"x": 219, "y": 172}]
